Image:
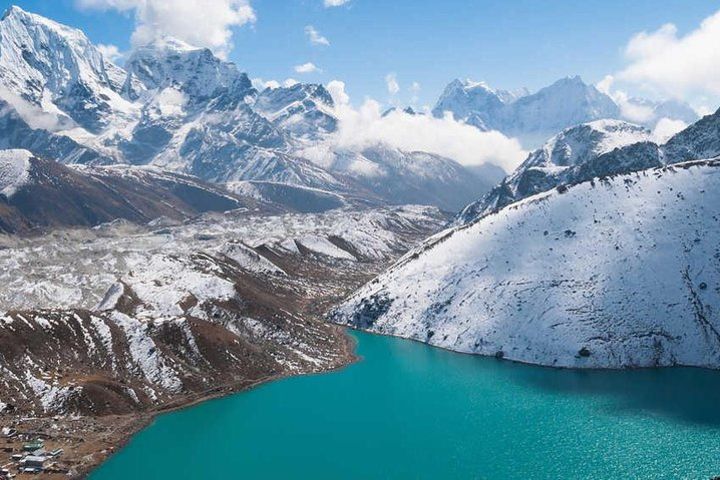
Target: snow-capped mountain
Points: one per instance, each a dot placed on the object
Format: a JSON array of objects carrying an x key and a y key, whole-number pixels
[
  {"x": 699, "y": 140},
  {"x": 181, "y": 108},
  {"x": 17, "y": 133},
  {"x": 59, "y": 72},
  {"x": 408, "y": 177},
  {"x": 672, "y": 109},
  {"x": 618, "y": 272},
  {"x": 530, "y": 117},
  {"x": 473, "y": 102},
  {"x": 535, "y": 117},
  {"x": 306, "y": 111},
  {"x": 574, "y": 155}
]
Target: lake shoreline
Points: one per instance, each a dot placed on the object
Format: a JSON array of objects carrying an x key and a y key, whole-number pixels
[
  {"x": 417, "y": 410},
  {"x": 350, "y": 357},
  {"x": 96, "y": 439},
  {"x": 146, "y": 419},
  {"x": 529, "y": 364}
]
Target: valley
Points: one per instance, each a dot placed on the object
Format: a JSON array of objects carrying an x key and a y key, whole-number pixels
[
  {"x": 176, "y": 228},
  {"x": 157, "y": 317}
]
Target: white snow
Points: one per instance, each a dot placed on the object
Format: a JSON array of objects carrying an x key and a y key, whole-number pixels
[
  {"x": 249, "y": 259},
  {"x": 83, "y": 269},
  {"x": 627, "y": 268},
  {"x": 51, "y": 396},
  {"x": 14, "y": 171},
  {"x": 323, "y": 246},
  {"x": 145, "y": 353}
]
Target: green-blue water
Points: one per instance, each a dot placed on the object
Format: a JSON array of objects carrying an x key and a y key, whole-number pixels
[{"x": 408, "y": 411}]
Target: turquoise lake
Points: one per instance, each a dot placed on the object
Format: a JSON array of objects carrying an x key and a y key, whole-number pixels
[{"x": 408, "y": 411}]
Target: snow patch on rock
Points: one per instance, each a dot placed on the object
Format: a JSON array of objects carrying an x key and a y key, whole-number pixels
[{"x": 14, "y": 171}]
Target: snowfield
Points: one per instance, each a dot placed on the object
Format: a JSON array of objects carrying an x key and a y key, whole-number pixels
[
  {"x": 618, "y": 272},
  {"x": 14, "y": 170}
]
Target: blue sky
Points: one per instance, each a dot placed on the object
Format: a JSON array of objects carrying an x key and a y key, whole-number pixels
[{"x": 508, "y": 43}]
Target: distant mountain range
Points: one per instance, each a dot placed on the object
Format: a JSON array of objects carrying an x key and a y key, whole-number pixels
[
  {"x": 535, "y": 117},
  {"x": 182, "y": 109},
  {"x": 37, "y": 195}
]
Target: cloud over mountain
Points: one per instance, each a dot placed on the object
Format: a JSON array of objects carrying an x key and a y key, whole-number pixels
[
  {"x": 366, "y": 126},
  {"x": 206, "y": 24},
  {"x": 677, "y": 65}
]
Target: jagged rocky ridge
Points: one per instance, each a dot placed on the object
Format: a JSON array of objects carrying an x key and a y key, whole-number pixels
[
  {"x": 596, "y": 149},
  {"x": 617, "y": 272},
  {"x": 180, "y": 108}
]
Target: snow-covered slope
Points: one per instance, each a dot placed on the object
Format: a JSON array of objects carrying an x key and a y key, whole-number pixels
[
  {"x": 619, "y": 272},
  {"x": 292, "y": 197},
  {"x": 575, "y": 155},
  {"x": 56, "y": 69},
  {"x": 699, "y": 140},
  {"x": 306, "y": 111},
  {"x": 401, "y": 177},
  {"x": 125, "y": 318},
  {"x": 567, "y": 102},
  {"x": 171, "y": 63},
  {"x": 474, "y": 102}
]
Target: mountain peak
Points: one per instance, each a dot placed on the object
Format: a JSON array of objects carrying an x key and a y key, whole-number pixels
[
  {"x": 13, "y": 10},
  {"x": 28, "y": 19},
  {"x": 171, "y": 62},
  {"x": 42, "y": 60},
  {"x": 169, "y": 43},
  {"x": 570, "y": 80}
]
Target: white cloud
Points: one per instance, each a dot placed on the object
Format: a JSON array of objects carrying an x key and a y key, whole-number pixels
[
  {"x": 334, "y": 3},
  {"x": 308, "y": 67},
  {"x": 676, "y": 65},
  {"x": 315, "y": 37},
  {"x": 261, "y": 84},
  {"x": 336, "y": 88},
  {"x": 365, "y": 126},
  {"x": 204, "y": 24},
  {"x": 629, "y": 110},
  {"x": 35, "y": 116},
  {"x": 393, "y": 87},
  {"x": 666, "y": 128},
  {"x": 110, "y": 52}
]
